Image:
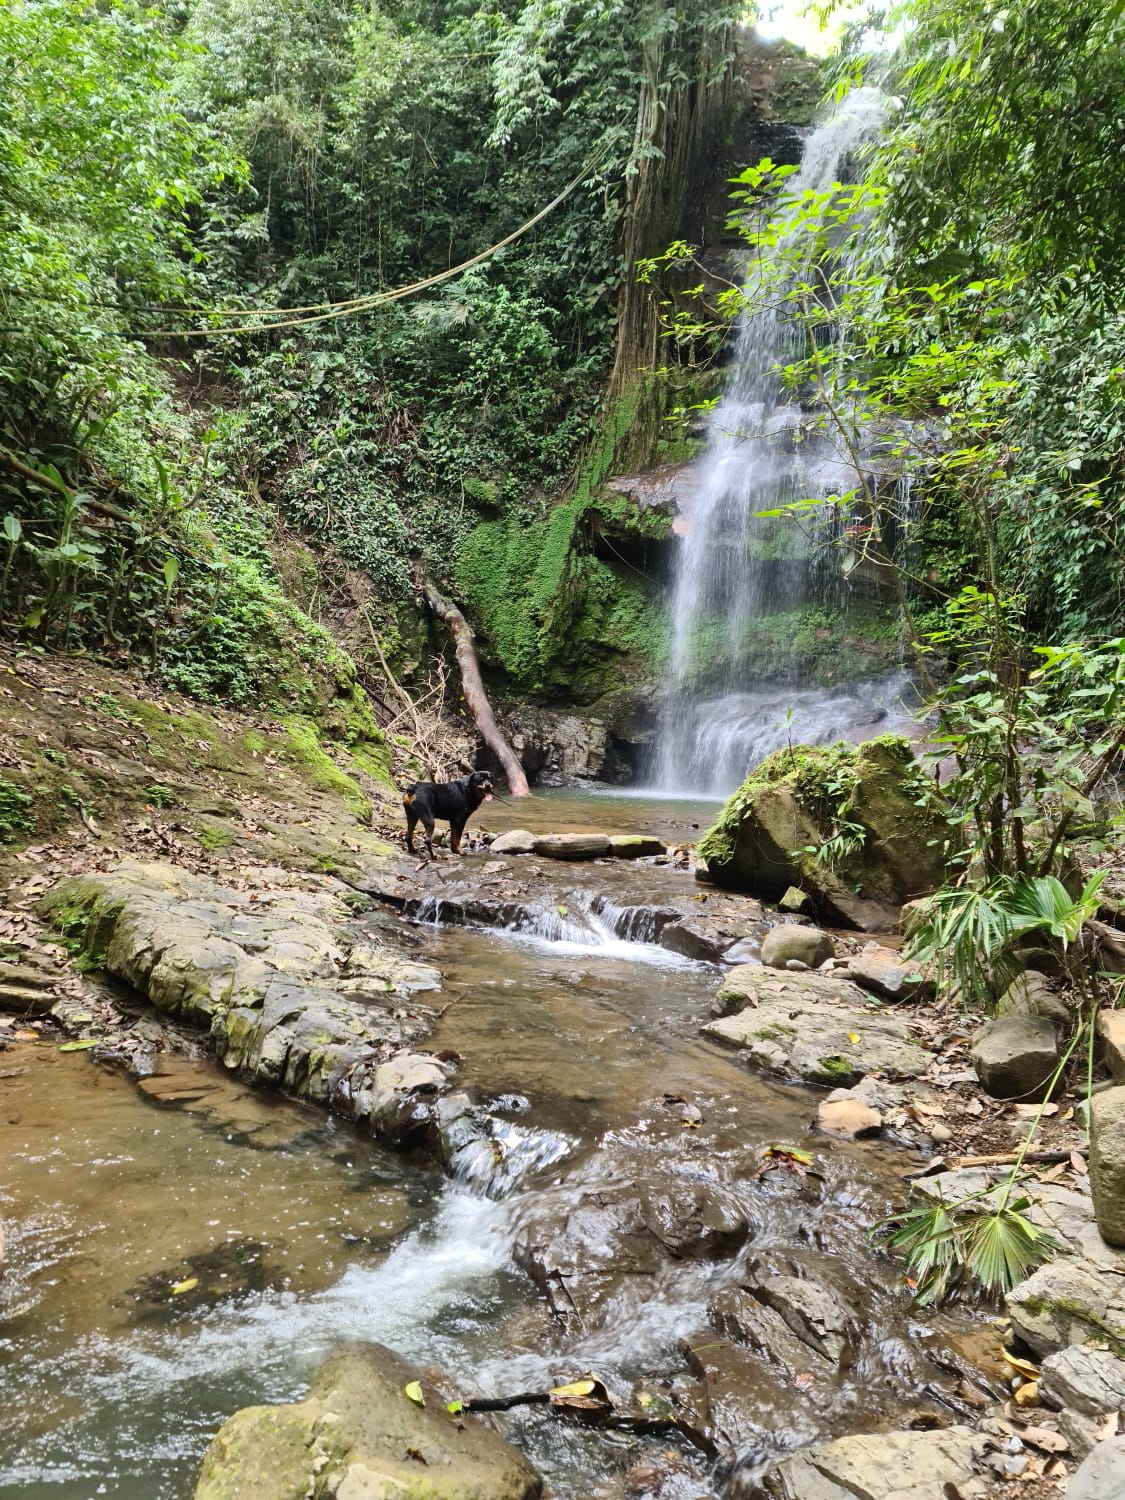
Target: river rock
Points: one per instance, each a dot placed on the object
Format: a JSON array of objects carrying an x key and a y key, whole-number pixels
[
  {"x": 572, "y": 845},
  {"x": 765, "y": 832},
  {"x": 269, "y": 973},
  {"x": 808, "y": 945},
  {"x": 585, "y": 1240},
  {"x": 1107, "y": 1163},
  {"x": 1069, "y": 1301},
  {"x": 636, "y": 846},
  {"x": 515, "y": 841},
  {"x": 694, "y": 940},
  {"x": 794, "y": 900},
  {"x": 884, "y": 972},
  {"x": 1030, "y": 994},
  {"x": 811, "y": 1310},
  {"x": 1015, "y": 1056},
  {"x": 813, "y": 1027},
  {"x": 1090, "y": 1380},
  {"x": 1101, "y": 1475},
  {"x": 845, "y": 1113},
  {"x": 358, "y": 1436},
  {"x": 883, "y": 1466},
  {"x": 1111, "y": 1037}
]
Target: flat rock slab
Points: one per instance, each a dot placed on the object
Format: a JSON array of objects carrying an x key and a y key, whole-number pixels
[
  {"x": 572, "y": 845},
  {"x": 273, "y": 979},
  {"x": 516, "y": 841},
  {"x": 359, "y": 1436},
  {"x": 812, "y": 1027},
  {"x": 883, "y": 1466}
]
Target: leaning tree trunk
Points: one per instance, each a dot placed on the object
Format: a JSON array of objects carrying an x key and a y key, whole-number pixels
[{"x": 475, "y": 696}]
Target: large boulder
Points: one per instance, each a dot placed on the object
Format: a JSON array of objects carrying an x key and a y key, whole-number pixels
[
  {"x": 1030, "y": 994},
  {"x": 1069, "y": 1301},
  {"x": 1089, "y": 1380},
  {"x": 1107, "y": 1163},
  {"x": 1111, "y": 1038},
  {"x": 808, "y": 945},
  {"x": 515, "y": 841},
  {"x": 357, "y": 1435},
  {"x": 886, "y": 974},
  {"x": 1015, "y": 1056},
  {"x": 777, "y": 831}
]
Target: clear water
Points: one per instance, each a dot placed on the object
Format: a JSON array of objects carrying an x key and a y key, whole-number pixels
[{"x": 298, "y": 1235}]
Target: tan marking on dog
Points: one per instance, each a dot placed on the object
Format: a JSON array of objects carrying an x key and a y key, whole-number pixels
[{"x": 407, "y": 798}]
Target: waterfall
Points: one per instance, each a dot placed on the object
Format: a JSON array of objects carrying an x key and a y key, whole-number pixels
[{"x": 734, "y": 692}]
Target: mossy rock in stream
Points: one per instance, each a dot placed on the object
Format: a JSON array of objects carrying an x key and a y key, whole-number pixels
[
  {"x": 358, "y": 1431},
  {"x": 857, "y": 827}
]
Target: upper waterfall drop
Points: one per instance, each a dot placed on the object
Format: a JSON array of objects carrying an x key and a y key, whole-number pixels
[{"x": 734, "y": 696}]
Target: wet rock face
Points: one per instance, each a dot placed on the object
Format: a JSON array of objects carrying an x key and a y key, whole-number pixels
[
  {"x": 784, "y": 807},
  {"x": 1107, "y": 1163},
  {"x": 271, "y": 977},
  {"x": 1016, "y": 1056},
  {"x": 586, "y": 1240},
  {"x": 358, "y": 1436}
]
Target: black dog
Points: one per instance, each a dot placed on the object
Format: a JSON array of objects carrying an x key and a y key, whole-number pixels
[{"x": 454, "y": 800}]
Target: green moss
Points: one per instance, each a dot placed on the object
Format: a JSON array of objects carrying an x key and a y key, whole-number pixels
[
  {"x": 554, "y": 616},
  {"x": 214, "y": 837},
  {"x": 835, "y": 1068},
  {"x": 15, "y": 811},
  {"x": 303, "y": 751}
]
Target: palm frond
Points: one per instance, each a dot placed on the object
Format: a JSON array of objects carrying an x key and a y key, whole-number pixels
[
  {"x": 965, "y": 934},
  {"x": 1044, "y": 904},
  {"x": 1002, "y": 1247}
]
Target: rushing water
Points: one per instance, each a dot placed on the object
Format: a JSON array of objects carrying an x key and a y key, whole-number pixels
[
  {"x": 734, "y": 692},
  {"x": 181, "y": 1249}
]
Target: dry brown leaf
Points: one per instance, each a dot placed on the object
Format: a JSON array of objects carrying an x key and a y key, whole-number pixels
[
  {"x": 1107, "y": 1427},
  {"x": 1078, "y": 1163}
]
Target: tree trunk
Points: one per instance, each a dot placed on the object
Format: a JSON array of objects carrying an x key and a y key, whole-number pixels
[{"x": 475, "y": 696}]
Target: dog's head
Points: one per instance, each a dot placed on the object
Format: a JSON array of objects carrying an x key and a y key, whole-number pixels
[{"x": 480, "y": 786}]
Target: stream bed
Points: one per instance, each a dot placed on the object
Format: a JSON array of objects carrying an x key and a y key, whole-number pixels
[{"x": 186, "y": 1246}]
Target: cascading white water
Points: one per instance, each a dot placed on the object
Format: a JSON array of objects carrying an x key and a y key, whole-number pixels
[{"x": 728, "y": 703}]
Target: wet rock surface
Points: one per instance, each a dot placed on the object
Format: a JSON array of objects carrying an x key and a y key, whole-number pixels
[
  {"x": 812, "y": 1027},
  {"x": 286, "y": 991},
  {"x": 358, "y": 1435}
]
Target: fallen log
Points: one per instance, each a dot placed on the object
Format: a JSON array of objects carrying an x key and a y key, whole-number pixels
[{"x": 472, "y": 685}]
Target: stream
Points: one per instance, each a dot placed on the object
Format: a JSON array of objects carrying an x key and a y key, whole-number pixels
[{"x": 283, "y": 1233}]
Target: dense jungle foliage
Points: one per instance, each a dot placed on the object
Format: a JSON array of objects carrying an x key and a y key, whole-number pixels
[
  {"x": 239, "y": 155},
  {"x": 204, "y": 206}
]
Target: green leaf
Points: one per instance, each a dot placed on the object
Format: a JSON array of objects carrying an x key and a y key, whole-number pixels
[
  {"x": 82, "y": 1046},
  {"x": 413, "y": 1392},
  {"x": 13, "y": 529}
]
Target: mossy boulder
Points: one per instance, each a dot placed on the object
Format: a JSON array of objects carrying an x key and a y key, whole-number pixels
[
  {"x": 357, "y": 1432},
  {"x": 856, "y": 827}
]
